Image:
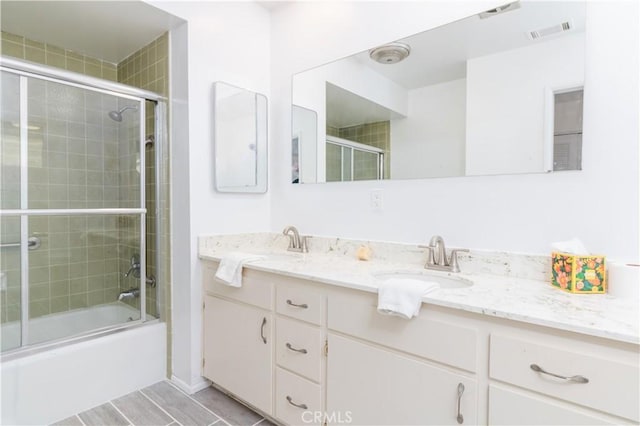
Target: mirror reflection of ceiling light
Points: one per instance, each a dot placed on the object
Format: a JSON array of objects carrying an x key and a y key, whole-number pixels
[{"x": 390, "y": 53}]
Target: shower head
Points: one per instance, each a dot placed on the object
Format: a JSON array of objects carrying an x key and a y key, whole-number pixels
[{"x": 117, "y": 115}]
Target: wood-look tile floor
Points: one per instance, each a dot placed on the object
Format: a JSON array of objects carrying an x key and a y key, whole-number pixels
[{"x": 163, "y": 404}]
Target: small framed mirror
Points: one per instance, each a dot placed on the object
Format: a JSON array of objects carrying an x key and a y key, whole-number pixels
[{"x": 240, "y": 139}]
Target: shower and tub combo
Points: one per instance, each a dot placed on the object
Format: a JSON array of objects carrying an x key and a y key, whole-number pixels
[{"x": 81, "y": 314}]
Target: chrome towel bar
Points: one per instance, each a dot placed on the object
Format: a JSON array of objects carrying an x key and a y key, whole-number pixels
[{"x": 33, "y": 243}]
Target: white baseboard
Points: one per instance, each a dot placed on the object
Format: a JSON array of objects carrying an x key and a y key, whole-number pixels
[{"x": 200, "y": 384}]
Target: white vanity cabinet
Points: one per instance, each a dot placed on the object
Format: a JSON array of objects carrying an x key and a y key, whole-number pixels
[
  {"x": 300, "y": 351},
  {"x": 387, "y": 370},
  {"x": 582, "y": 382},
  {"x": 304, "y": 352},
  {"x": 238, "y": 339},
  {"x": 374, "y": 386}
]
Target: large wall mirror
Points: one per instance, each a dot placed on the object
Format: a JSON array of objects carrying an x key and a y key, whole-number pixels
[{"x": 500, "y": 92}]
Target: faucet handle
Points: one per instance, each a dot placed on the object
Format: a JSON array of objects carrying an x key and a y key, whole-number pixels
[
  {"x": 431, "y": 260},
  {"x": 304, "y": 243},
  {"x": 453, "y": 259}
]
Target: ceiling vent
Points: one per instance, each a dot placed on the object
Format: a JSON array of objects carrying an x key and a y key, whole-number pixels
[
  {"x": 549, "y": 31},
  {"x": 500, "y": 9}
]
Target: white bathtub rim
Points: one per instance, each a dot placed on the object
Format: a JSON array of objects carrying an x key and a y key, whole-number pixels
[
  {"x": 74, "y": 338},
  {"x": 98, "y": 333}
]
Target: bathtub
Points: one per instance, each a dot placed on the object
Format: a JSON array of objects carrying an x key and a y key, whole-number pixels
[
  {"x": 71, "y": 323},
  {"x": 68, "y": 377}
]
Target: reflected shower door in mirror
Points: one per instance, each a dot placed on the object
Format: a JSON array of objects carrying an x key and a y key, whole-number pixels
[
  {"x": 240, "y": 136},
  {"x": 481, "y": 96}
]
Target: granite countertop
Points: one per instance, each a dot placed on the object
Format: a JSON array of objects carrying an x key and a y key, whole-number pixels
[{"x": 511, "y": 294}]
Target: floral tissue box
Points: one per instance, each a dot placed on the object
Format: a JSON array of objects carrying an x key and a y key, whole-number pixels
[{"x": 578, "y": 274}]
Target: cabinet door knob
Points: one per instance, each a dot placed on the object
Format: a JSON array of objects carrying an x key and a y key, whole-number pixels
[
  {"x": 291, "y": 348},
  {"x": 290, "y": 401},
  {"x": 574, "y": 379},
  {"x": 303, "y": 306},
  {"x": 460, "y": 418},
  {"x": 264, "y": 322}
]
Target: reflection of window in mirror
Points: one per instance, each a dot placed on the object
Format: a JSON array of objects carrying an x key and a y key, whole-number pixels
[{"x": 567, "y": 130}]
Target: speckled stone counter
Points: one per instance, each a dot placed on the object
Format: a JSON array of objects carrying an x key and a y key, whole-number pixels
[{"x": 505, "y": 285}]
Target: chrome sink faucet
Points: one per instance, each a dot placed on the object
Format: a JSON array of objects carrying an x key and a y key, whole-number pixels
[
  {"x": 296, "y": 242},
  {"x": 437, "y": 256}
]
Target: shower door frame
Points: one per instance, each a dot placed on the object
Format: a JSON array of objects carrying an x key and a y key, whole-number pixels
[{"x": 26, "y": 70}]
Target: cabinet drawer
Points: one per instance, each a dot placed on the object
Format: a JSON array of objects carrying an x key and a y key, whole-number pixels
[
  {"x": 299, "y": 348},
  {"x": 511, "y": 360},
  {"x": 255, "y": 290},
  {"x": 356, "y": 314},
  {"x": 300, "y": 302},
  {"x": 510, "y": 407},
  {"x": 298, "y": 401}
]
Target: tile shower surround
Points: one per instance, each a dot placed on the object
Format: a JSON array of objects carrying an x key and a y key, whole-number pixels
[
  {"x": 81, "y": 259},
  {"x": 147, "y": 69},
  {"x": 374, "y": 134},
  {"x": 54, "y": 56},
  {"x": 73, "y": 161}
]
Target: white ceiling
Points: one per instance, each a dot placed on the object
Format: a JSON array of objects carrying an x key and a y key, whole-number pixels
[
  {"x": 440, "y": 54},
  {"x": 109, "y": 30},
  {"x": 359, "y": 110}
]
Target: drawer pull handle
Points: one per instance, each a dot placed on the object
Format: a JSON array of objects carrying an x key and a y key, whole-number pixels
[
  {"x": 303, "y": 306},
  {"x": 460, "y": 418},
  {"x": 574, "y": 379},
  {"x": 290, "y": 401},
  {"x": 264, "y": 322},
  {"x": 291, "y": 348}
]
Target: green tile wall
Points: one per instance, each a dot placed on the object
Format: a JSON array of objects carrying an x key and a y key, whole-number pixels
[
  {"x": 48, "y": 54},
  {"x": 374, "y": 134},
  {"x": 148, "y": 69},
  {"x": 365, "y": 165},
  {"x": 82, "y": 259},
  {"x": 75, "y": 161}
]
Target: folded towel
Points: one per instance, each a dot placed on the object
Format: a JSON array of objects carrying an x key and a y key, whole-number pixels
[
  {"x": 230, "y": 269},
  {"x": 403, "y": 296}
]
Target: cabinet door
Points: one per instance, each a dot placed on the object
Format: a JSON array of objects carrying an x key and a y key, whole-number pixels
[
  {"x": 237, "y": 350},
  {"x": 510, "y": 407},
  {"x": 375, "y": 386}
]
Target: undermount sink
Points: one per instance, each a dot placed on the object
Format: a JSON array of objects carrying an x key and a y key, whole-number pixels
[{"x": 446, "y": 282}]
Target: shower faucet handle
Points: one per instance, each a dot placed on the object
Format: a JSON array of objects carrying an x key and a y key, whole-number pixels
[{"x": 135, "y": 266}]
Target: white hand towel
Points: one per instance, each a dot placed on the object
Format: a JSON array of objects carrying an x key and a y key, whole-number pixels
[
  {"x": 403, "y": 296},
  {"x": 230, "y": 269}
]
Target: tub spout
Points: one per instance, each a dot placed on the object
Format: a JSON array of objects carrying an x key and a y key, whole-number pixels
[{"x": 132, "y": 293}]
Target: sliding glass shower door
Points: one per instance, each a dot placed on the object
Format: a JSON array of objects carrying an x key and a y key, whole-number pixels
[{"x": 72, "y": 209}]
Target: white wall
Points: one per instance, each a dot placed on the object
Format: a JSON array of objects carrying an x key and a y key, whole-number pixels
[
  {"x": 226, "y": 42},
  {"x": 505, "y": 87},
  {"x": 430, "y": 141},
  {"x": 521, "y": 213},
  {"x": 305, "y": 125}
]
